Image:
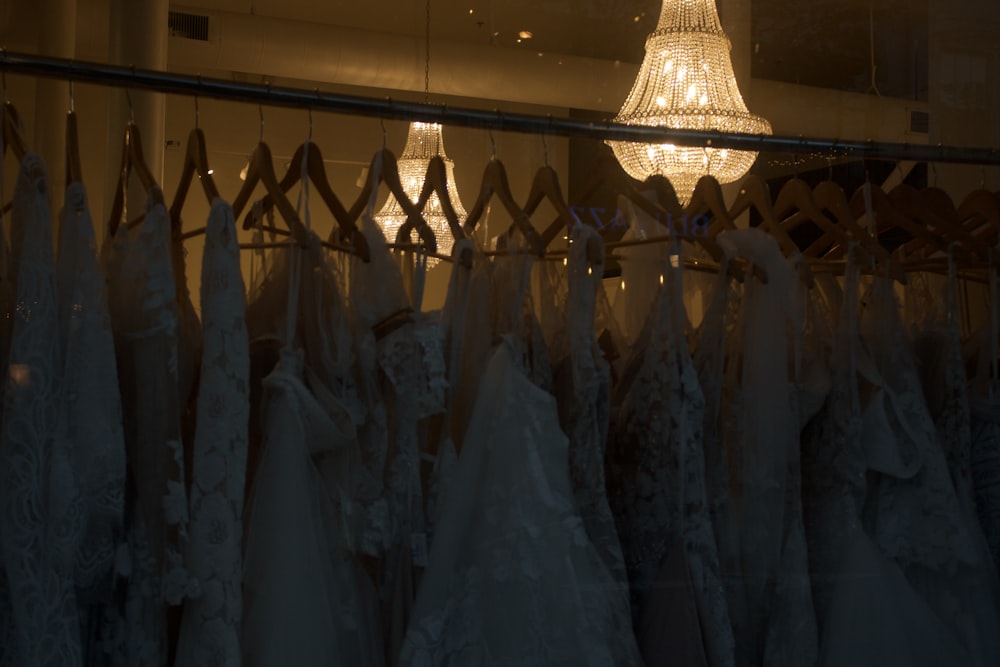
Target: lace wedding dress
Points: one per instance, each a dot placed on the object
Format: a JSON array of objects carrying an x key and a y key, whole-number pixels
[
  {"x": 402, "y": 355},
  {"x": 771, "y": 605},
  {"x": 512, "y": 578},
  {"x": 40, "y": 502},
  {"x": 92, "y": 417},
  {"x": 307, "y": 601},
  {"x": 145, "y": 316},
  {"x": 973, "y": 601},
  {"x": 657, "y": 490},
  {"x": 583, "y": 389},
  {"x": 210, "y": 629},
  {"x": 912, "y": 510},
  {"x": 465, "y": 319},
  {"x": 869, "y": 614}
]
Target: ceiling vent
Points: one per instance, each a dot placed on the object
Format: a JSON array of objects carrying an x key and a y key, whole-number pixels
[
  {"x": 188, "y": 26},
  {"x": 920, "y": 122}
]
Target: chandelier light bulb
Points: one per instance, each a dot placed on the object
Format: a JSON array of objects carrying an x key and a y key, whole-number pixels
[
  {"x": 686, "y": 81},
  {"x": 423, "y": 142}
]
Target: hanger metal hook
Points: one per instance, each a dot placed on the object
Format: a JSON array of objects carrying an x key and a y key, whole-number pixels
[
  {"x": 197, "y": 112},
  {"x": 72, "y": 102},
  {"x": 384, "y": 133},
  {"x": 310, "y": 135},
  {"x": 545, "y": 149},
  {"x": 260, "y": 113},
  {"x": 493, "y": 146}
]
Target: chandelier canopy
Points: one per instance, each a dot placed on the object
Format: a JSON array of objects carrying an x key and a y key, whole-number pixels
[
  {"x": 423, "y": 142},
  {"x": 686, "y": 81}
]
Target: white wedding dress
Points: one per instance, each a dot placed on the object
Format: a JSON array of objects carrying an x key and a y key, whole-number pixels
[
  {"x": 41, "y": 507},
  {"x": 307, "y": 601},
  {"x": 657, "y": 489},
  {"x": 211, "y": 622},
  {"x": 512, "y": 578},
  {"x": 145, "y": 319},
  {"x": 771, "y": 604},
  {"x": 92, "y": 418}
]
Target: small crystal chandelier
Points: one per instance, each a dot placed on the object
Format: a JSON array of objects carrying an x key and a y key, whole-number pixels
[
  {"x": 423, "y": 142},
  {"x": 687, "y": 82}
]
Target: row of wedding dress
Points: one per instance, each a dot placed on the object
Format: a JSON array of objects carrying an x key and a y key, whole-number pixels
[{"x": 315, "y": 471}]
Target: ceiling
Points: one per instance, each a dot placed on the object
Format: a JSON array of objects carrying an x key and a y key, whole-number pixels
[
  {"x": 607, "y": 29},
  {"x": 827, "y": 44}
]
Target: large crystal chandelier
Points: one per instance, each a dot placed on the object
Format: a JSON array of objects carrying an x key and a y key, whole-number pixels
[
  {"x": 422, "y": 143},
  {"x": 686, "y": 81}
]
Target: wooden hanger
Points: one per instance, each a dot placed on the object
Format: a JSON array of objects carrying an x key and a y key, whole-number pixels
[
  {"x": 831, "y": 198},
  {"x": 132, "y": 160},
  {"x": 13, "y": 136},
  {"x": 195, "y": 164},
  {"x": 74, "y": 173},
  {"x": 666, "y": 198},
  {"x": 495, "y": 183},
  {"x": 435, "y": 182},
  {"x": 606, "y": 171},
  {"x": 888, "y": 217},
  {"x": 754, "y": 194},
  {"x": 316, "y": 173},
  {"x": 384, "y": 169},
  {"x": 979, "y": 213},
  {"x": 261, "y": 170},
  {"x": 545, "y": 187},
  {"x": 795, "y": 206},
  {"x": 916, "y": 205},
  {"x": 707, "y": 199}
]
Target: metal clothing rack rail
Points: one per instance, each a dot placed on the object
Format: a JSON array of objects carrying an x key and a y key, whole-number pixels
[{"x": 386, "y": 108}]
